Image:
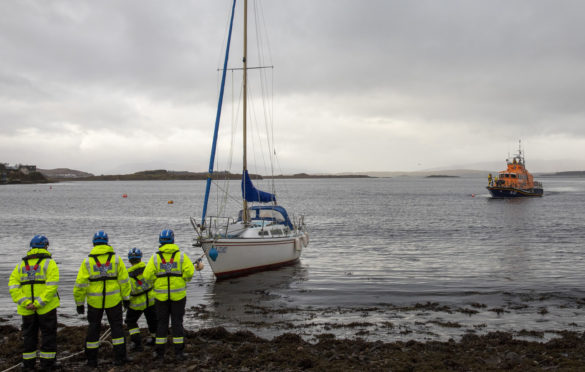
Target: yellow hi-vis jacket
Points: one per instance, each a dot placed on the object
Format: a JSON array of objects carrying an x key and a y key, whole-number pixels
[
  {"x": 102, "y": 278},
  {"x": 170, "y": 270},
  {"x": 35, "y": 280},
  {"x": 142, "y": 295}
]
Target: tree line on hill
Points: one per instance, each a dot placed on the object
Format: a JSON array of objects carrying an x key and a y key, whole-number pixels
[{"x": 20, "y": 174}]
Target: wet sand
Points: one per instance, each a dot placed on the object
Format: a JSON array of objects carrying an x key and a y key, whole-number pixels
[{"x": 216, "y": 349}]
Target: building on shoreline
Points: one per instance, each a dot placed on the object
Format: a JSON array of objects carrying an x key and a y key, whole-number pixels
[{"x": 20, "y": 173}]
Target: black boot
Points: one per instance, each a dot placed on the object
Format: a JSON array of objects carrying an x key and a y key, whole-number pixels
[
  {"x": 136, "y": 342},
  {"x": 29, "y": 364},
  {"x": 179, "y": 355},
  {"x": 136, "y": 347},
  {"x": 92, "y": 357},
  {"x": 159, "y": 353},
  {"x": 47, "y": 364},
  {"x": 120, "y": 357}
]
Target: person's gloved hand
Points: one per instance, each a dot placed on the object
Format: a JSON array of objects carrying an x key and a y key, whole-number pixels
[
  {"x": 126, "y": 304},
  {"x": 80, "y": 309}
]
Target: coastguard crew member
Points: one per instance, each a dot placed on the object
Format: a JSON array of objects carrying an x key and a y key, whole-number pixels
[
  {"x": 103, "y": 279},
  {"x": 170, "y": 269},
  {"x": 33, "y": 286},
  {"x": 141, "y": 301}
]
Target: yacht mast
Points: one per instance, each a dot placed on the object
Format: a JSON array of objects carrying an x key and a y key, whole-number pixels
[{"x": 245, "y": 217}]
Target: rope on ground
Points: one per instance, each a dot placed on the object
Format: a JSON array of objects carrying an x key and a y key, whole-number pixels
[{"x": 102, "y": 340}]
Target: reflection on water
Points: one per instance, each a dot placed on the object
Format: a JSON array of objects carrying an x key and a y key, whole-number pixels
[
  {"x": 254, "y": 299},
  {"x": 398, "y": 258}
]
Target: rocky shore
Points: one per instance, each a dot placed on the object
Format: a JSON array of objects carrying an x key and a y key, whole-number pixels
[{"x": 216, "y": 349}]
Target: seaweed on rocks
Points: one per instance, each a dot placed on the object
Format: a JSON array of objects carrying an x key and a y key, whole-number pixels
[{"x": 217, "y": 349}]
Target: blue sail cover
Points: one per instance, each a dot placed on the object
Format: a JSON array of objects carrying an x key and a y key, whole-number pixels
[
  {"x": 275, "y": 213},
  {"x": 252, "y": 194}
]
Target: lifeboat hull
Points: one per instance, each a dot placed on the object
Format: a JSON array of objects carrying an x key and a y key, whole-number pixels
[{"x": 511, "y": 192}]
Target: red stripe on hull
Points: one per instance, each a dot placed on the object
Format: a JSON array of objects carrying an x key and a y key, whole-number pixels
[{"x": 250, "y": 270}]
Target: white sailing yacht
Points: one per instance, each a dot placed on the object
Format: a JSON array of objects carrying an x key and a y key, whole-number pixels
[{"x": 263, "y": 235}]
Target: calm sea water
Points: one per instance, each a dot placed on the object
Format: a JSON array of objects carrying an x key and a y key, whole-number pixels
[{"x": 396, "y": 258}]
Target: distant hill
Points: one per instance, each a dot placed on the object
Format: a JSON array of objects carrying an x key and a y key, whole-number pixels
[
  {"x": 305, "y": 175},
  {"x": 162, "y": 174},
  {"x": 157, "y": 174},
  {"x": 565, "y": 174},
  {"x": 63, "y": 173},
  {"x": 425, "y": 173}
]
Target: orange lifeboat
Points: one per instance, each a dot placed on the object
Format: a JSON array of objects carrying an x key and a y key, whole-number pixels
[{"x": 515, "y": 181}]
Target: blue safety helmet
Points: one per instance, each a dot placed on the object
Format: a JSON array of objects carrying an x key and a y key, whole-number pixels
[
  {"x": 134, "y": 254},
  {"x": 39, "y": 241},
  {"x": 167, "y": 236},
  {"x": 100, "y": 237}
]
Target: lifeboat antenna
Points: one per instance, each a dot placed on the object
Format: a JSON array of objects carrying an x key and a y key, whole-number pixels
[
  {"x": 520, "y": 155},
  {"x": 519, "y": 146}
]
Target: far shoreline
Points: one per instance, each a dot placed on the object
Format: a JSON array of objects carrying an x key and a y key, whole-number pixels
[{"x": 163, "y": 175}]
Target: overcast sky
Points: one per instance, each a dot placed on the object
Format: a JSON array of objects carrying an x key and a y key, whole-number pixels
[{"x": 360, "y": 85}]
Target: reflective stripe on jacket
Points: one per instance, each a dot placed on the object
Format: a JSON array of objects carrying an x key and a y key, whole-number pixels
[
  {"x": 102, "y": 278},
  {"x": 170, "y": 270},
  {"x": 35, "y": 279},
  {"x": 142, "y": 295}
]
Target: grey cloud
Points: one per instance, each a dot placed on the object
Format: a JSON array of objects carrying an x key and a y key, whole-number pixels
[{"x": 479, "y": 67}]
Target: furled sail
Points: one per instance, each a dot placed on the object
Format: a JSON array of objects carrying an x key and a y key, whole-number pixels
[{"x": 252, "y": 194}]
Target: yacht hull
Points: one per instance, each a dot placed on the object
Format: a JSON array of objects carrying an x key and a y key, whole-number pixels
[{"x": 237, "y": 257}]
